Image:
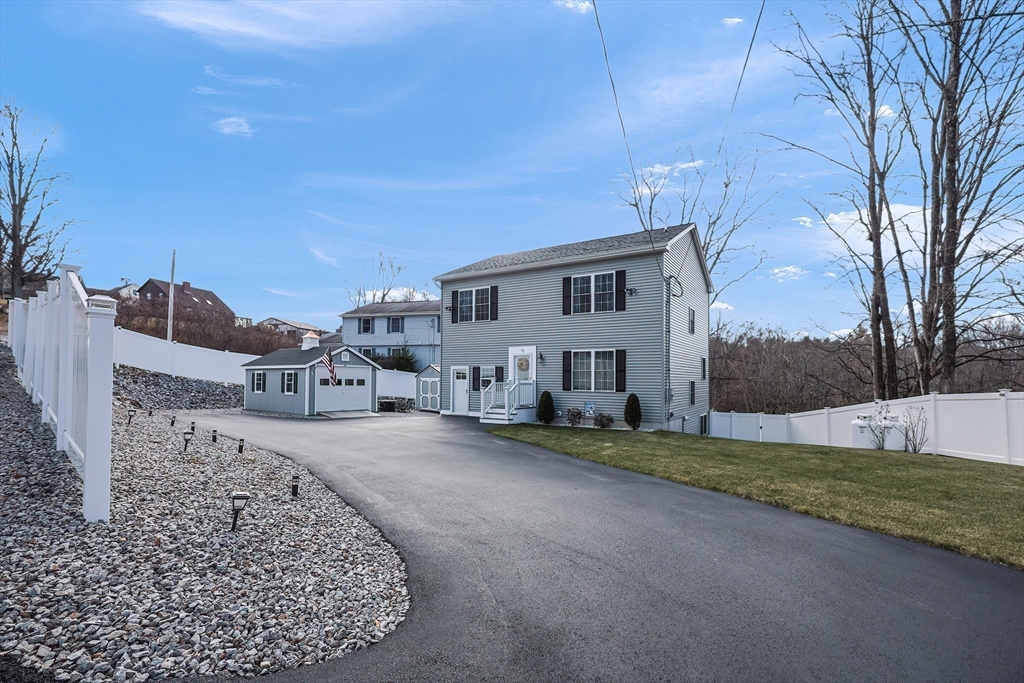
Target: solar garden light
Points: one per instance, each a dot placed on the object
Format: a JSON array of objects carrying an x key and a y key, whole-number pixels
[
  {"x": 188, "y": 437},
  {"x": 241, "y": 444},
  {"x": 173, "y": 418},
  {"x": 295, "y": 486},
  {"x": 131, "y": 414},
  {"x": 193, "y": 427},
  {"x": 215, "y": 436},
  {"x": 151, "y": 412},
  {"x": 239, "y": 499}
]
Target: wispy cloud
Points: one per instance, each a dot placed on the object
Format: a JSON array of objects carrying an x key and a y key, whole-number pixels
[
  {"x": 205, "y": 90},
  {"x": 731, "y": 21},
  {"x": 721, "y": 306},
  {"x": 233, "y": 125},
  {"x": 580, "y": 6},
  {"x": 293, "y": 24},
  {"x": 281, "y": 292},
  {"x": 787, "y": 273},
  {"x": 805, "y": 221},
  {"x": 830, "y": 274},
  {"x": 323, "y": 258},
  {"x": 256, "y": 81},
  {"x": 326, "y": 217},
  {"x": 839, "y": 334},
  {"x": 885, "y": 112},
  {"x": 831, "y": 112}
]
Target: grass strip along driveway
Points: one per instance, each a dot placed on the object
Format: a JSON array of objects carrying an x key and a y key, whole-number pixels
[{"x": 971, "y": 507}]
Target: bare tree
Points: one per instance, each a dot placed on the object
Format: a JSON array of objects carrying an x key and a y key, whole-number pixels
[
  {"x": 32, "y": 246},
  {"x": 722, "y": 205},
  {"x": 856, "y": 85},
  {"x": 377, "y": 284}
]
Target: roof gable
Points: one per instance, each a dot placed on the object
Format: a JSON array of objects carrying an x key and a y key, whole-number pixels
[{"x": 295, "y": 357}]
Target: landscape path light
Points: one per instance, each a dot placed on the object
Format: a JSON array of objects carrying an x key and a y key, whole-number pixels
[
  {"x": 151, "y": 412},
  {"x": 215, "y": 436},
  {"x": 173, "y": 418},
  {"x": 241, "y": 444},
  {"x": 131, "y": 414},
  {"x": 188, "y": 437},
  {"x": 239, "y": 499},
  {"x": 193, "y": 427},
  {"x": 295, "y": 486}
]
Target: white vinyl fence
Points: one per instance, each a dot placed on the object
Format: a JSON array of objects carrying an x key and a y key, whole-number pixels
[
  {"x": 396, "y": 383},
  {"x": 63, "y": 345},
  {"x": 976, "y": 426},
  {"x": 182, "y": 360}
]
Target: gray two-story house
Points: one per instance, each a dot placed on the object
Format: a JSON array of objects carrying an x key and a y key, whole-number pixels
[
  {"x": 381, "y": 329},
  {"x": 591, "y": 322}
]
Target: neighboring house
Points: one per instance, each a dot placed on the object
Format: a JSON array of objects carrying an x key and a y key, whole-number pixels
[
  {"x": 185, "y": 296},
  {"x": 291, "y": 327},
  {"x": 383, "y": 328},
  {"x": 128, "y": 291},
  {"x": 591, "y": 322},
  {"x": 295, "y": 381}
]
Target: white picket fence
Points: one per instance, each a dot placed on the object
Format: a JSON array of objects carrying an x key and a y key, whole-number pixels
[
  {"x": 181, "y": 360},
  {"x": 63, "y": 346},
  {"x": 987, "y": 426}
]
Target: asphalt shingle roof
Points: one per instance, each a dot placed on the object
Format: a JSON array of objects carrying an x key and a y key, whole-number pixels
[
  {"x": 634, "y": 240},
  {"x": 293, "y": 356},
  {"x": 397, "y": 308}
]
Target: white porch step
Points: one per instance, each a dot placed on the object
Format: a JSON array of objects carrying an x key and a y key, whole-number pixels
[{"x": 497, "y": 417}]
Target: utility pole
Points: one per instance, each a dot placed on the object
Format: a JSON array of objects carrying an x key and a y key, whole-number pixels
[{"x": 170, "y": 300}]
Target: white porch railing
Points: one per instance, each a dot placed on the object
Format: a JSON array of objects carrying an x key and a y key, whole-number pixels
[
  {"x": 63, "y": 346},
  {"x": 509, "y": 396}
]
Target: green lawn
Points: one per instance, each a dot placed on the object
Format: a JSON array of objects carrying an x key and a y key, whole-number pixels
[{"x": 974, "y": 508}]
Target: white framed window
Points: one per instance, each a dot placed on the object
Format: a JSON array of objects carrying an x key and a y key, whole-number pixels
[
  {"x": 259, "y": 382},
  {"x": 290, "y": 383},
  {"x": 395, "y": 325},
  {"x": 581, "y": 295},
  {"x": 365, "y": 325},
  {"x": 460, "y": 374},
  {"x": 466, "y": 306},
  {"x": 486, "y": 376},
  {"x": 593, "y": 370},
  {"x": 366, "y": 352},
  {"x": 360, "y": 382},
  {"x": 325, "y": 382},
  {"x": 394, "y": 351},
  {"x": 345, "y": 356},
  {"x": 604, "y": 292},
  {"x": 349, "y": 382},
  {"x": 482, "y": 308},
  {"x": 693, "y": 321}
]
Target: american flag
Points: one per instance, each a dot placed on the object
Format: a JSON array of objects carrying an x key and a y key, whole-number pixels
[{"x": 329, "y": 364}]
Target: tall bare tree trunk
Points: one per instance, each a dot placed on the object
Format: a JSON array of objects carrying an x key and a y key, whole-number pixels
[{"x": 951, "y": 189}]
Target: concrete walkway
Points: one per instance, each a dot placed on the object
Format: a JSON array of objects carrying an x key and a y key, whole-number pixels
[{"x": 526, "y": 565}]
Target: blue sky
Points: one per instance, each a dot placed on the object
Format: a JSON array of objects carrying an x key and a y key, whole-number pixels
[{"x": 279, "y": 146}]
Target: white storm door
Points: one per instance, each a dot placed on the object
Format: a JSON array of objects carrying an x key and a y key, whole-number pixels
[{"x": 460, "y": 391}]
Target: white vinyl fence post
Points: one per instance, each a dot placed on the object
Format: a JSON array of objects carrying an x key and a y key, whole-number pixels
[
  {"x": 1005, "y": 412},
  {"x": 760, "y": 427},
  {"x": 38, "y": 357},
  {"x": 96, "y": 476},
  {"x": 49, "y": 340},
  {"x": 935, "y": 422},
  {"x": 789, "y": 432},
  {"x": 732, "y": 420},
  {"x": 66, "y": 334},
  {"x": 828, "y": 427}
]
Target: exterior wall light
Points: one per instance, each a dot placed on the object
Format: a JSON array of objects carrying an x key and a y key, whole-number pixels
[
  {"x": 131, "y": 414},
  {"x": 188, "y": 437},
  {"x": 631, "y": 290},
  {"x": 239, "y": 499}
]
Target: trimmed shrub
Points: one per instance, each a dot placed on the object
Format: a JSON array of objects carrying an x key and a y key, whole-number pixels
[
  {"x": 633, "y": 415},
  {"x": 573, "y": 416},
  {"x": 546, "y": 408},
  {"x": 603, "y": 420}
]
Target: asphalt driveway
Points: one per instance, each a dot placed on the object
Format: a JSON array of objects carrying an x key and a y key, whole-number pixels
[{"x": 527, "y": 565}]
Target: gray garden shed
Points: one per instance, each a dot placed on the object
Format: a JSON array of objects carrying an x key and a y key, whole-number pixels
[{"x": 428, "y": 388}]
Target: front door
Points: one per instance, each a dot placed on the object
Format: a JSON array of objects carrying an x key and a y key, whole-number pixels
[
  {"x": 460, "y": 391},
  {"x": 522, "y": 364}
]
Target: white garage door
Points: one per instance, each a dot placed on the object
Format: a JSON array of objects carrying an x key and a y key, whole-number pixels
[{"x": 351, "y": 393}]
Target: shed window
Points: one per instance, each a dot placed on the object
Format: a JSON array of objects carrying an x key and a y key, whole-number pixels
[
  {"x": 360, "y": 382},
  {"x": 259, "y": 382},
  {"x": 325, "y": 381},
  {"x": 290, "y": 382},
  {"x": 349, "y": 382},
  {"x": 344, "y": 356}
]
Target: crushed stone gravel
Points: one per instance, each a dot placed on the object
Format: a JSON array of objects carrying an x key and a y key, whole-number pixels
[{"x": 165, "y": 589}]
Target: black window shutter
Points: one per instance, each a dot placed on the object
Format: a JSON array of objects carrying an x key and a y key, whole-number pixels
[
  {"x": 253, "y": 375},
  {"x": 494, "y": 302},
  {"x": 566, "y": 296},
  {"x": 282, "y": 382},
  {"x": 693, "y": 392},
  {"x": 620, "y": 290},
  {"x": 566, "y": 370},
  {"x": 476, "y": 378},
  {"x": 620, "y": 370},
  {"x": 401, "y": 325},
  {"x": 455, "y": 305},
  {"x": 373, "y": 324},
  {"x": 499, "y": 373}
]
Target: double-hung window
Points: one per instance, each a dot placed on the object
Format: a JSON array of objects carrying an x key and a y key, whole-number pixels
[
  {"x": 259, "y": 382},
  {"x": 486, "y": 376},
  {"x": 604, "y": 371},
  {"x": 365, "y": 325},
  {"x": 290, "y": 383},
  {"x": 693, "y": 321},
  {"x": 593, "y": 370},
  {"x": 466, "y": 306},
  {"x": 483, "y": 304},
  {"x": 366, "y": 352},
  {"x": 395, "y": 325},
  {"x": 581, "y": 294},
  {"x": 604, "y": 292},
  {"x": 582, "y": 379},
  {"x": 395, "y": 351}
]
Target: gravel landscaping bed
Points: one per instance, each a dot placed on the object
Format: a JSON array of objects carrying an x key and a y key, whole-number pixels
[
  {"x": 164, "y": 392},
  {"x": 166, "y": 589}
]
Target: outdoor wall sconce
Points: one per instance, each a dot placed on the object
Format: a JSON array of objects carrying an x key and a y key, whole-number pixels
[
  {"x": 131, "y": 414},
  {"x": 631, "y": 290},
  {"x": 447, "y": 308},
  {"x": 540, "y": 357},
  {"x": 188, "y": 437},
  {"x": 241, "y": 443},
  {"x": 239, "y": 499},
  {"x": 215, "y": 436},
  {"x": 295, "y": 486}
]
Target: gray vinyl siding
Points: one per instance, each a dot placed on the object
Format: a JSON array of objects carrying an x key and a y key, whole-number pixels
[
  {"x": 421, "y": 340},
  {"x": 685, "y": 349},
  {"x": 530, "y": 314},
  {"x": 272, "y": 400}
]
